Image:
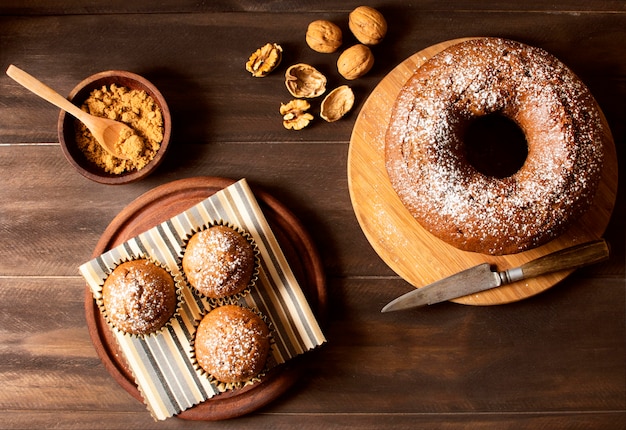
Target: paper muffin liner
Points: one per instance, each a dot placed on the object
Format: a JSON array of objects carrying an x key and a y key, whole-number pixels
[
  {"x": 228, "y": 386},
  {"x": 233, "y": 298},
  {"x": 179, "y": 283}
]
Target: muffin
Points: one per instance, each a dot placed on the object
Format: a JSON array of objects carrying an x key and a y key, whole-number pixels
[
  {"x": 139, "y": 297},
  {"x": 219, "y": 262},
  {"x": 232, "y": 344}
]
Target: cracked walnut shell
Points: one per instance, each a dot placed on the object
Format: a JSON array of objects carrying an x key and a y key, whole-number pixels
[
  {"x": 367, "y": 24},
  {"x": 295, "y": 115},
  {"x": 264, "y": 60},
  {"x": 304, "y": 81},
  {"x": 337, "y": 103},
  {"x": 323, "y": 36},
  {"x": 355, "y": 61}
]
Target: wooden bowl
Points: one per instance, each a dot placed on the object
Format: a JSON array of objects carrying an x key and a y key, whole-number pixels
[{"x": 67, "y": 126}]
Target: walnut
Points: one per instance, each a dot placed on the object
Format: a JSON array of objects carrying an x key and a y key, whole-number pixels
[
  {"x": 304, "y": 81},
  {"x": 264, "y": 60},
  {"x": 295, "y": 114},
  {"x": 337, "y": 103},
  {"x": 323, "y": 36},
  {"x": 355, "y": 61},
  {"x": 367, "y": 24}
]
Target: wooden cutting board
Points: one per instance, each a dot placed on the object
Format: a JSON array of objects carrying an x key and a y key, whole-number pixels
[{"x": 404, "y": 245}]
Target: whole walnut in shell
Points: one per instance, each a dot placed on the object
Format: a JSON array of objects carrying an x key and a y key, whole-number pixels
[
  {"x": 367, "y": 24},
  {"x": 355, "y": 61},
  {"x": 305, "y": 81},
  {"x": 323, "y": 36}
]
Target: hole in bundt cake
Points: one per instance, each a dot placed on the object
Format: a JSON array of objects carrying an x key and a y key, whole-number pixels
[{"x": 495, "y": 145}]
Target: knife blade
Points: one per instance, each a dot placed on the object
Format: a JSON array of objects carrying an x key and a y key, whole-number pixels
[{"x": 482, "y": 277}]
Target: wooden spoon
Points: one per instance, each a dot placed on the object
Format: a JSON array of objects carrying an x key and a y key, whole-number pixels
[{"x": 106, "y": 131}]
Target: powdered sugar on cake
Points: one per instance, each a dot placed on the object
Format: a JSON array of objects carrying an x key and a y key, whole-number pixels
[
  {"x": 139, "y": 297},
  {"x": 218, "y": 261},
  {"x": 232, "y": 343},
  {"x": 425, "y": 155}
]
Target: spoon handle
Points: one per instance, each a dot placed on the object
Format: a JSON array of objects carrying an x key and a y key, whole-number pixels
[{"x": 46, "y": 93}]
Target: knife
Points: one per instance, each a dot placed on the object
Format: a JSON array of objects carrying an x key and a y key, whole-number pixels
[{"x": 481, "y": 277}]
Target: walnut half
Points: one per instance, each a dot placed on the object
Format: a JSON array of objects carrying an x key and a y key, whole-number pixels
[
  {"x": 295, "y": 114},
  {"x": 264, "y": 60}
]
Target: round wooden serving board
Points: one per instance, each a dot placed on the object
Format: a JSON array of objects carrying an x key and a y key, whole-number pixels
[
  {"x": 405, "y": 246},
  {"x": 167, "y": 201}
]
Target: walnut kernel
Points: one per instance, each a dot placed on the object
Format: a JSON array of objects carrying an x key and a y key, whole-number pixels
[
  {"x": 367, "y": 24},
  {"x": 337, "y": 103},
  {"x": 264, "y": 60},
  {"x": 323, "y": 36},
  {"x": 355, "y": 61},
  {"x": 305, "y": 81},
  {"x": 295, "y": 114}
]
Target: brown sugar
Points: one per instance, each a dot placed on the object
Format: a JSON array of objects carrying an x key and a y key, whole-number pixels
[
  {"x": 129, "y": 144},
  {"x": 135, "y": 108}
]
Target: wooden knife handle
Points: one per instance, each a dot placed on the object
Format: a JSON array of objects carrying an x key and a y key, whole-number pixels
[{"x": 568, "y": 258}]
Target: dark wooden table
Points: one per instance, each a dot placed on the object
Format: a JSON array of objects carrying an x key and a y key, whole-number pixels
[{"x": 556, "y": 360}]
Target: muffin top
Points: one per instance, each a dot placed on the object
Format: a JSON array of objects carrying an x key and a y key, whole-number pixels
[
  {"x": 139, "y": 297},
  {"x": 232, "y": 344},
  {"x": 219, "y": 262}
]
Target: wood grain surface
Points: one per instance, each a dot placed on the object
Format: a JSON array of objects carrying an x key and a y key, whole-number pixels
[
  {"x": 554, "y": 360},
  {"x": 409, "y": 249}
]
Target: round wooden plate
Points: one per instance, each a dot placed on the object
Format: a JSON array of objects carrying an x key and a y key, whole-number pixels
[
  {"x": 404, "y": 245},
  {"x": 161, "y": 204}
]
